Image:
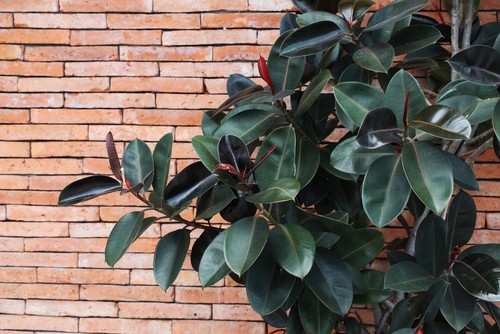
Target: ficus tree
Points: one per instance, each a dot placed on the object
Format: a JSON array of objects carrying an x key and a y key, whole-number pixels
[{"x": 305, "y": 213}]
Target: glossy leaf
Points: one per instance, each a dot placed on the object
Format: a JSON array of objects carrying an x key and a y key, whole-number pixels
[
  {"x": 244, "y": 242},
  {"x": 233, "y": 151},
  {"x": 356, "y": 99},
  {"x": 317, "y": 16},
  {"x": 461, "y": 220},
  {"x": 496, "y": 120},
  {"x": 169, "y": 256},
  {"x": 87, "y": 188},
  {"x": 492, "y": 250},
  {"x": 138, "y": 164},
  {"x": 433, "y": 299},
  {"x": 393, "y": 12},
  {"x": 457, "y": 306},
  {"x": 313, "y": 91},
  {"x": 206, "y": 149},
  {"x": 430, "y": 245},
  {"x": 376, "y": 58},
  {"x": 385, "y": 190},
  {"x": 307, "y": 161},
  {"x": 479, "y": 64},
  {"x": 429, "y": 174},
  {"x": 443, "y": 122},
  {"x": 191, "y": 182},
  {"x": 314, "y": 38},
  {"x": 314, "y": 315},
  {"x": 285, "y": 72},
  {"x": 200, "y": 245},
  {"x": 161, "y": 156},
  {"x": 294, "y": 248},
  {"x": 403, "y": 315},
  {"x": 248, "y": 126},
  {"x": 407, "y": 277},
  {"x": 374, "y": 291},
  {"x": 359, "y": 247},
  {"x": 354, "y": 9},
  {"x": 240, "y": 96},
  {"x": 213, "y": 201},
  {"x": 122, "y": 236},
  {"x": 114, "y": 161},
  {"x": 414, "y": 37},
  {"x": 483, "y": 111},
  {"x": 282, "y": 190},
  {"x": 330, "y": 281},
  {"x": 213, "y": 266},
  {"x": 236, "y": 83},
  {"x": 463, "y": 175},
  {"x": 379, "y": 127},
  {"x": 479, "y": 274}
]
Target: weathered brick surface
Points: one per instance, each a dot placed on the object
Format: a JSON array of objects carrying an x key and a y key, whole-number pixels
[{"x": 70, "y": 72}]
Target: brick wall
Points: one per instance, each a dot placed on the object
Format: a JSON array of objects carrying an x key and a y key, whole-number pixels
[{"x": 72, "y": 70}]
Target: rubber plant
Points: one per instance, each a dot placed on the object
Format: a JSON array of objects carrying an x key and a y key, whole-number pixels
[{"x": 307, "y": 214}]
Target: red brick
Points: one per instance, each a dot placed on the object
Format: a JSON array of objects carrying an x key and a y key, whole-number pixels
[
  {"x": 11, "y": 244},
  {"x": 82, "y": 276},
  {"x": 65, "y": 245},
  {"x": 489, "y": 4},
  {"x": 487, "y": 204},
  {"x": 38, "y": 323},
  {"x": 38, "y": 260},
  {"x": 205, "y": 70},
  {"x": 14, "y": 149},
  {"x": 102, "y": 230},
  {"x": 215, "y": 327},
  {"x": 45, "y": 213},
  {"x": 183, "y": 151},
  {"x": 112, "y": 69},
  {"x": 116, "y": 37},
  {"x": 96, "y": 166},
  {"x": 76, "y": 116},
  {"x": 103, "y": 100},
  {"x": 17, "y": 275},
  {"x": 68, "y": 149},
  {"x": 14, "y": 182},
  {"x": 215, "y": 86},
  {"x": 125, "y": 293},
  {"x": 185, "y": 134},
  {"x": 29, "y": 5},
  {"x": 15, "y": 100},
  {"x": 493, "y": 220},
  {"x": 40, "y": 166},
  {"x": 34, "y": 36},
  {"x": 170, "y": 117},
  {"x": 166, "y": 53},
  {"x": 51, "y": 182},
  {"x": 39, "y": 291},
  {"x": 12, "y": 116},
  {"x": 485, "y": 237},
  {"x": 235, "y": 312},
  {"x": 179, "y": 85},
  {"x": 37, "y": 230},
  {"x": 159, "y": 310},
  {"x": 269, "y": 5},
  {"x": 196, "y": 6},
  {"x": 211, "y": 295},
  {"x": 31, "y": 69},
  {"x": 64, "y": 21},
  {"x": 240, "y": 52},
  {"x": 267, "y": 37},
  {"x": 12, "y": 306},
  {"x": 209, "y": 37},
  {"x": 70, "y": 53},
  {"x": 8, "y": 84},
  {"x": 45, "y": 132},
  {"x": 106, "y": 5},
  {"x": 28, "y": 197},
  {"x": 487, "y": 171},
  {"x": 11, "y": 52},
  {"x": 119, "y": 326},
  {"x": 241, "y": 20},
  {"x": 195, "y": 101},
  {"x": 61, "y": 308},
  {"x": 153, "y": 21},
  {"x": 63, "y": 84},
  {"x": 6, "y": 20},
  {"x": 129, "y": 132},
  {"x": 128, "y": 261}
]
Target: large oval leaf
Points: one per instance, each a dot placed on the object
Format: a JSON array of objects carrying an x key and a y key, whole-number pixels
[
  {"x": 414, "y": 37},
  {"x": 462, "y": 174},
  {"x": 393, "y": 12},
  {"x": 122, "y": 236},
  {"x": 293, "y": 248},
  {"x": 247, "y": 125},
  {"x": 479, "y": 274},
  {"x": 360, "y": 247},
  {"x": 313, "y": 91},
  {"x": 314, "y": 315},
  {"x": 373, "y": 292},
  {"x": 200, "y": 245},
  {"x": 233, "y": 151},
  {"x": 282, "y": 190},
  {"x": 379, "y": 127},
  {"x": 430, "y": 245},
  {"x": 307, "y": 161},
  {"x": 376, "y": 58},
  {"x": 244, "y": 242},
  {"x": 87, "y": 188},
  {"x": 408, "y": 276},
  {"x": 161, "y": 155},
  {"x": 429, "y": 174},
  {"x": 385, "y": 190},
  {"x": 169, "y": 256},
  {"x": 285, "y": 72},
  {"x": 138, "y": 164},
  {"x": 317, "y": 16},
  {"x": 356, "y": 99},
  {"x": 479, "y": 64},
  {"x": 457, "y": 306},
  {"x": 330, "y": 281},
  {"x": 354, "y": 9},
  {"x": 443, "y": 122},
  {"x": 461, "y": 220},
  {"x": 213, "y": 266},
  {"x": 213, "y": 201}
]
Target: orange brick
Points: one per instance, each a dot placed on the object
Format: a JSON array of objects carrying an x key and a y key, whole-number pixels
[
  {"x": 50, "y": 182},
  {"x": 31, "y": 69},
  {"x": 8, "y": 84},
  {"x": 239, "y": 52},
  {"x": 39, "y": 291},
  {"x": 37, "y": 230},
  {"x": 241, "y": 20},
  {"x": 68, "y": 149},
  {"x": 269, "y": 5},
  {"x": 103, "y": 100},
  {"x": 267, "y": 37},
  {"x": 14, "y": 149},
  {"x": 142, "y": 277},
  {"x": 206, "y": 70},
  {"x": 34, "y": 36},
  {"x": 114, "y": 37},
  {"x": 11, "y": 52},
  {"x": 209, "y": 37},
  {"x": 45, "y": 213},
  {"x": 487, "y": 188},
  {"x": 28, "y": 322},
  {"x": 485, "y": 237},
  {"x": 112, "y": 69},
  {"x": 487, "y": 204},
  {"x": 70, "y": 53},
  {"x": 213, "y": 327},
  {"x": 166, "y": 53},
  {"x": 96, "y": 166},
  {"x": 197, "y": 6},
  {"x": 125, "y": 293},
  {"x": 104, "y": 325},
  {"x": 37, "y": 260},
  {"x": 6, "y": 20},
  {"x": 195, "y": 101},
  {"x": 61, "y": 308},
  {"x": 46, "y": 132},
  {"x": 185, "y": 134},
  {"x": 58, "y": 21},
  {"x": 153, "y": 21},
  {"x": 211, "y": 295},
  {"x": 170, "y": 117},
  {"x": 76, "y": 116},
  {"x": 12, "y": 116},
  {"x": 235, "y": 312},
  {"x": 63, "y": 84},
  {"x": 66, "y": 245},
  {"x": 14, "y": 100},
  {"x": 183, "y": 151},
  {"x": 159, "y": 310},
  {"x": 102, "y": 230},
  {"x": 14, "y": 182},
  {"x": 129, "y": 132},
  {"x": 186, "y": 85},
  {"x": 12, "y": 306},
  {"x": 215, "y": 86},
  {"x": 106, "y": 6},
  {"x": 128, "y": 261},
  {"x": 29, "y": 5},
  {"x": 493, "y": 220},
  {"x": 19, "y": 275},
  {"x": 489, "y": 4},
  {"x": 82, "y": 276},
  {"x": 29, "y": 198}
]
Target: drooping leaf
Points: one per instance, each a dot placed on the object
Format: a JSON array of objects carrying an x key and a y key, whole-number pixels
[
  {"x": 244, "y": 242},
  {"x": 121, "y": 237},
  {"x": 457, "y": 306},
  {"x": 330, "y": 281},
  {"x": 379, "y": 127},
  {"x": 385, "y": 190},
  {"x": 403, "y": 315},
  {"x": 238, "y": 208},
  {"x": 213, "y": 201},
  {"x": 294, "y": 248},
  {"x": 314, "y": 315},
  {"x": 161, "y": 155},
  {"x": 393, "y": 12},
  {"x": 87, "y": 188},
  {"x": 374, "y": 291},
  {"x": 430, "y": 245},
  {"x": 311, "y": 39},
  {"x": 138, "y": 164},
  {"x": 462, "y": 174},
  {"x": 191, "y": 182},
  {"x": 479, "y": 64},
  {"x": 429, "y": 174},
  {"x": 307, "y": 161},
  {"x": 359, "y": 247},
  {"x": 213, "y": 266},
  {"x": 200, "y": 245},
  {"x": 313, "y": 91},
  {"x": 443, "y": 122},
  {"x": 169, "y": 256},
  {"x": 461, "y": 220},
  {"x": 285, "y": 72},
  {"x": 114, "y": 161},
  {"x": 479, "y": 275},
  {"x": 414, "y": 37},
  {"x": 376, "y": 58},
  {"x": 408, "y": 277},
  {"x": 356, "y": 99}
]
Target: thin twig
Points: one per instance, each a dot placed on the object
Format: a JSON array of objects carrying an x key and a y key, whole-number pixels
[
  {"x": 480, "y": 137},
  {"x": 478, "y": 151}
]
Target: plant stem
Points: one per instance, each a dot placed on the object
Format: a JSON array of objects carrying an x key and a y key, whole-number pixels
[
  {"x": 478, "y": 151},
  {"x": 266, "y": 214},
  {"x": 456, "y": 18},
  {"x": 468, "y": 19},
  {"x": 410, "y": 245}
]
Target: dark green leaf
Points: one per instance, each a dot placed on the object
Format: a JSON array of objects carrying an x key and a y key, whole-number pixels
[
  {"x": 213, "y": 201},
  {"x": 170, "y": 253},
  {"x": 282, "y": 190},
  {"x": 403, "y": 315},
  {"x": 294, "y": 323},
  {"x": 87, "y": 188},
  {"x": 430, "y": 245},
  {"x": 236, "y": 83},
  {"x": 213, "y": 266},
  {"x": 457, "y": 306},
  {"x": 376, "y": 58},
  {"x": 200, "y": 245},
  {"x": 356, "y": 99},
  {"x": 492, "y": 250},
  {"x": 314, "y": 315},
  {"x": 479, "y": 274},
  {"x": 233, "y": 151},
  {"x": 294, "y": 248},
  {"x": 247, "y": 125},
  {"x": 379, "y": 127},
  {"x": 138, "y": 164},
  {"x": 418, "y": 63},
  {"x": 114, "y": 161},
  {"x": 241, "y": 96},
  {"x": 354, "y": 9},
  {"x": 317, "y": 16},
  {"x": 496, "y": 120},
  {"x": 461, "y": 220},
  {"x": 443, "y": 122},
  {"x": 479, "y": 64},
  {"x": 414, "y": 37},
  {"x": 462, "y": 174},
  {"x": 483, "y": 111},
  {"x": 285, "y": 72},
  {"x": 313, "y": 91},
  {"x": 161, "y": 156},
  {"x": 433, "y": 299},
  {"x": 374, "y": 291},
  {"x": 122, "y": 236},
  {"x": 359, "y": 247},
  {"x": 408, "y": 277},
  {"x": 393, "y": 12},
  {"x": 306, "y": 161}
]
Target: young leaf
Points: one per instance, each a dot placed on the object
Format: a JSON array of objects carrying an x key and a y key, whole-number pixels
[
  {"x": 161, "y": 156},
  {"x": 138, "y": 164},
  {"x": 479, "y": 64},
  {"x": 233, "y": 151},
  {"x": 462, "y": 174},
  {"x": 123, "y": 234},
  {"x": 87, "y": 188},
  {"x": 313, "y": 91},
  {"x": 376, "y": 58}
]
